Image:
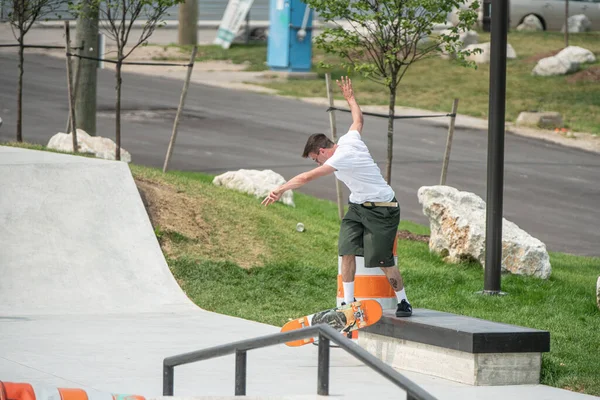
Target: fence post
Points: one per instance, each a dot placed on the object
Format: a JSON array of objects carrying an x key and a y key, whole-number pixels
[
  {"x": 449, "y": 142},
  {"x": 323, "y": 367}
]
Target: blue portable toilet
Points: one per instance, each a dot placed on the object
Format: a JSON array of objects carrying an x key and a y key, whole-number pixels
[{"x": 289, "y": 47}]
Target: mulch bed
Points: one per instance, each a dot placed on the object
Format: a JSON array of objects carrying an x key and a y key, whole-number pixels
[
  {"x": 592, "y": 74},
  {"x": 406, "y": 235}
]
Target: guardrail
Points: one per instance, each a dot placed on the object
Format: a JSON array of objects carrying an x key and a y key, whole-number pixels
[{"x": 325, "y": 334}]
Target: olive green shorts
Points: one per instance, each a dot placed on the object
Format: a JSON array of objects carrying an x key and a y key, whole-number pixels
[{"x": 370, "y": 232}]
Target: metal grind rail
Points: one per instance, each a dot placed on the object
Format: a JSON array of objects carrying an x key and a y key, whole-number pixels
[{"x": 325, "y": 334}]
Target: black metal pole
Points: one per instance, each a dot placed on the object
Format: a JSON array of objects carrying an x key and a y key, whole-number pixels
[
  {"x": 495, "y": 166},
  {"x": 240, "y": 373},
  {"x": 168, "y": 380},
  {"x": 323, "y": 367}
]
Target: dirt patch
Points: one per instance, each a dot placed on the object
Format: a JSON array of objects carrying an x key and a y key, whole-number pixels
[
  {"x": 171, "y": 210},
  {"x": 177, "y": 216},
  {"x": 537, "y": 57},
  {"x": 406, "y": 235},
  {"x": 591, "y": 74}
]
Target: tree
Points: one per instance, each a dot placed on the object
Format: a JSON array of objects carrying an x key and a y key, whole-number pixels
[
  {"x": 381, "y": 39},
  {"x": 117, "y": 18},
  {"x": 188, "y": 23},
  {"x": 566, "y": 23},
  {"x": 22, "y": 15},
  {"x": 86, "y": 88}
]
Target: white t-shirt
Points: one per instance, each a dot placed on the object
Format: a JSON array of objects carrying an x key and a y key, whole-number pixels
[{"x": 356, "y": 168}]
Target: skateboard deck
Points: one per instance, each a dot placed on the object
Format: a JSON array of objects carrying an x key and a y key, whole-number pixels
[{"x": 346, "y": 318}]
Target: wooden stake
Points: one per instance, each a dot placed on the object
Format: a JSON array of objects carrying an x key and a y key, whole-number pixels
[
  {"x": 70, "y": 89},
  {"x": 181, "y": 103},
  {"x": 332, "y": 124},
  {"x": 449, "y": 142},
  {"x": 77, "y": 74}
]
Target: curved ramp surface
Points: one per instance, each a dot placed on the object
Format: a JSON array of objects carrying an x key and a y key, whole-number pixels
[{"x": 76, "y": 239}]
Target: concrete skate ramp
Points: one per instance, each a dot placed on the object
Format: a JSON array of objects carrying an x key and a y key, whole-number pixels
[{"x": 75, "y": 238}]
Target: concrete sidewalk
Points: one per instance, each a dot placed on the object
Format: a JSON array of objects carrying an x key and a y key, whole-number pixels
[{"x": 87, "y": 300}]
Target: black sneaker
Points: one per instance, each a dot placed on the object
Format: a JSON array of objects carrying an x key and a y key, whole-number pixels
[{"x": 404, "y": 309}]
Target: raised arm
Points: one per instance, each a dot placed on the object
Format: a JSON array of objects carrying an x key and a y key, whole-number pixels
[{"x": 357, "y": 118}]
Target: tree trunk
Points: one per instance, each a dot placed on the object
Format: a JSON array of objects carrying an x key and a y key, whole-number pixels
[
  {"x": 118, "y": 108},
  {"x": 20, "y": 91},
  {"x": 566, "y": 23},
  {"x": 188, "y": 22},
  {"x": 390, "y": 152},
  {"x": 85, "y": 90}
]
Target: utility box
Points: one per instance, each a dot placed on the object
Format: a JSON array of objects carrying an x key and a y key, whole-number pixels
[{"x": 289, "y": 46}]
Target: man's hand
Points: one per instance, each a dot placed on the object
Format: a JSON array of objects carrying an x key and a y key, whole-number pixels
[
  {"x": 272, "y": 197},
  {"x": 346, "y": 85},
  {"x": 357, "y": 118}
]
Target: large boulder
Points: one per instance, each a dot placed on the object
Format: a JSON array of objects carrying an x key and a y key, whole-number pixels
[
  {"x": 458, "y": 228},
  {"x": 254, "y": 182},
  {"x": 464, "y": 39},
  {"x": 484, "y": 56},
  {"x": 551, "y": 66},
  {"x": 99, "y": 146},
  {"x": 531, "y": 23},
  {"x": 576, "y": 54},
  {"x": 578, "y": 23}
]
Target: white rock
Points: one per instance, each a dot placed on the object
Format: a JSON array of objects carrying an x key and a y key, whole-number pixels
[
  {"x": 254, "y": 182},
  {"x": 576, "y": 54},
  {"x": 458, "y": 227},
  {"x": 531, "y": 23},
  {"x": 578, "y": 23},
  {"x": 550, "y": 66},
  {"x": 484, "y": 56},
  {"x": 101, "y": 147},
  {"x": 547, "y": 120},
  {"x": 464, "y": 39},
  {"x": 598, "y": 292}
]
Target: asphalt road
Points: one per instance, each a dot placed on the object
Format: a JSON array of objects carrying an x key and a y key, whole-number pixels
[{"x": 550, "y": 191}]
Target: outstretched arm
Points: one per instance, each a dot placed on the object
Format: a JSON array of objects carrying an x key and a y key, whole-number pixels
[
  {"x": 357, "y": 118},
  {"x": 297, "y": 181}
]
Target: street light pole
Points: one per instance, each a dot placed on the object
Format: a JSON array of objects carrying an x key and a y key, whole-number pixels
[{"x": 495, "y": 166}]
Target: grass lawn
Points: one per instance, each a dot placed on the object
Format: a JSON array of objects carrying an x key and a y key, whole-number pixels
[
  {"x": 433, "y": 83},
  {"x": 241, "y": 259}
]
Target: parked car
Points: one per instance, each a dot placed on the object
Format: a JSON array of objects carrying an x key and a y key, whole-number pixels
[{"x": 552, "y": 12}]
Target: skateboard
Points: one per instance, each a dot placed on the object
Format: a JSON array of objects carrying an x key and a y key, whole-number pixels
[{"x": 346, "y": 318}]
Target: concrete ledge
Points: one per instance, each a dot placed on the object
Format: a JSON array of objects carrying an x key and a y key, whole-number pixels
[
  {"x": 478, "y": 369},
  {"x": 463, "y": 349}
]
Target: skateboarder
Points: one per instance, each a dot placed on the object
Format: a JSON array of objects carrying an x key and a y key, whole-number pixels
[{"x": 369, "y": 227}]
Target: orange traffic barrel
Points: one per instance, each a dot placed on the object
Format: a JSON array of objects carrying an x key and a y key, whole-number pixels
[
  {"x": 25, "y": 391},
  {"x": 369, "y": 283}
]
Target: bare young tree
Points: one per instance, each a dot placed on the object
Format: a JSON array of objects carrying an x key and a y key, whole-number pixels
[
  {"x": 22, "y": 15},
  {"x": 381, "y": 39},
  {"x": 116, "y": 20}
]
